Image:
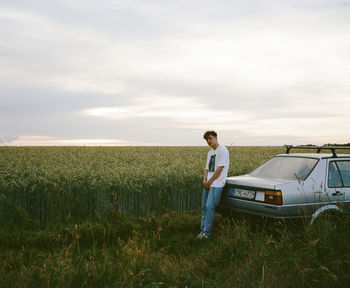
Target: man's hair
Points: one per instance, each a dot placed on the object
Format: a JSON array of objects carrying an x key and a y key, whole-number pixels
[{"x": 208, "y": 133}]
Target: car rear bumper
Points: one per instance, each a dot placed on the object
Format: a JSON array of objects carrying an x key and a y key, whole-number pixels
[{"x": 230, "y": 204}]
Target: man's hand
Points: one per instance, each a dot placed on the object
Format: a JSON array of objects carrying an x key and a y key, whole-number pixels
[{"x": 206, "y": 185}]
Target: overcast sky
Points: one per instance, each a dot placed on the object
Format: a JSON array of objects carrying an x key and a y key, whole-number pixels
[{"x": 156, "y": 72}]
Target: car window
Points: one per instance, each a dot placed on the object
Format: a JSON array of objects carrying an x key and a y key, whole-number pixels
[
  {"x": 280, "y": 167},
  {"x": 339, "y": 174},
  {"x": 334, "y": 178}
]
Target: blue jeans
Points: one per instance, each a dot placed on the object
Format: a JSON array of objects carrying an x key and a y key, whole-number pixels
[{"x": 210, "y": 199}]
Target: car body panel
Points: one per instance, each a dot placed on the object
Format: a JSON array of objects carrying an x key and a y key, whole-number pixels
[{"x": 250, "y": 181}]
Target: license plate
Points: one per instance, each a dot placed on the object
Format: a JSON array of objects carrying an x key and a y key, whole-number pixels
[{"x": 243, "y": 193}]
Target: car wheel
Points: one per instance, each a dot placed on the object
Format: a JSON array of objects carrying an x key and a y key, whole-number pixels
[{"x": 327, "y": 221}]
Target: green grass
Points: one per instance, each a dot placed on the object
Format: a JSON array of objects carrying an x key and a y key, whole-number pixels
[
  {"x": 161, "y": 250},
  {"x": 129, "y": 217}
]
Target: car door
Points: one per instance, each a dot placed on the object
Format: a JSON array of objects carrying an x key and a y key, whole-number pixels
[{"x": 338, "y": 182}]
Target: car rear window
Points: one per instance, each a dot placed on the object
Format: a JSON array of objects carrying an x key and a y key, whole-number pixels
[{"x": 290, "y": 168}]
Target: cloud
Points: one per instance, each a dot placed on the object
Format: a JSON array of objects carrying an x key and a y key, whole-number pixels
[
  {"x": 184, "y": 112},
  {"x": 40, "y": 140},
  {"x": 238, "y": 55},
  {"x": 257, "y": 69},
  {"x": 7, "y": 139},
  {"x": 299, "y": 116},
  {"x": 231, "y": 54}
]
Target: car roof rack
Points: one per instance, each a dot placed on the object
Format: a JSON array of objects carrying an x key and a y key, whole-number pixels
[{"x": 319, "y": 148}]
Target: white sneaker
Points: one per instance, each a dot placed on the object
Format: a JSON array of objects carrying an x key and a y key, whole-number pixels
[{"x": 204, "y": 236}]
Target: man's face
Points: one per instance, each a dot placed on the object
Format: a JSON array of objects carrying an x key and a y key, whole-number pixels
[{"x": 212, "y": 141}]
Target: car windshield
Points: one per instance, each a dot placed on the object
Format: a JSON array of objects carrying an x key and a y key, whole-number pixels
[{"x": 280, "y": 167}]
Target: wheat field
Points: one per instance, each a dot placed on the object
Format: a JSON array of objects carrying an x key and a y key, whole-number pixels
[{"x": 49, "y": 184}]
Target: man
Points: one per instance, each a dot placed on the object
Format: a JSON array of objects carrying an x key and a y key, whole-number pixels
[{"x": 213, "y": 181}]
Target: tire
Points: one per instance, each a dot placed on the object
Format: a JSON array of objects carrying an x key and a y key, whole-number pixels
[{"x": 327, "y": 222}]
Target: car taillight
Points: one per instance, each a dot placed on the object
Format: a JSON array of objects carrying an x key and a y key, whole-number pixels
[{"x": 273, "y": 197}]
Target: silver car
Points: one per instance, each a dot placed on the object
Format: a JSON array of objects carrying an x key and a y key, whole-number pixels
[{"x": 296, "y": 185}]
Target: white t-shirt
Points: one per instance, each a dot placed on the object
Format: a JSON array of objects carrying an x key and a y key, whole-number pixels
[{"x": 216, "y": 158}]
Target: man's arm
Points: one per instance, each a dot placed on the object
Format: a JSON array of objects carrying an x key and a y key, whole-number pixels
[
  {"x": 216, "y": 174},
  {"x": 205, "y": 177}
]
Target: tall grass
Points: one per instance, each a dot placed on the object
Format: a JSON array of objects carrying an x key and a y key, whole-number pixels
[
  {"x": 161, "y": 250},
  {"x": 72, "y": 217},
  {"x": 41, "y": 185}
]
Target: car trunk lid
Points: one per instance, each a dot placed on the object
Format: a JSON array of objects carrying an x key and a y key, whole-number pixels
[{"x": 262, "y": 183}]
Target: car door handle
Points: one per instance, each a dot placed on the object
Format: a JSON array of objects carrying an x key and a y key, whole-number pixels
[{"x": 337, "y": 193}]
